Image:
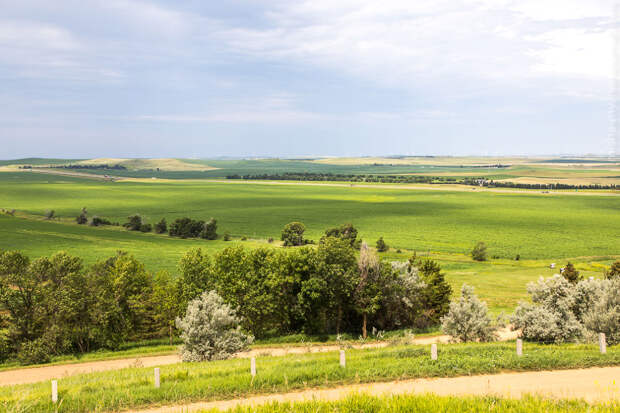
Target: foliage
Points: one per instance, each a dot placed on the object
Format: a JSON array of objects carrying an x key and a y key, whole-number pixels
[
  {"x": 226, "y": 236},
  {"x": 479, "y": 253},
  {"x": 161, "y": 227},
  {"x": 293, "y": 234},
  {"x": 344, "y": 231},
  {"x": 370, "y": 284},
  {"x": 81, "y": 219},
  {"x": 551, "y": 317},
  {"x": 186, "y": 228},
  {"x": 614, "y": 271},
  {"x": 468, "y": 319},
  {"x": 98, "y": 221},
  {"x": 436, "y": 300},
  {"x": 571, "y": 274},
  {"x": 209, "y": 230},
  {"x": 381, "y": 245},
  {"x": 49, "y": 214},
  {"x": 210, "y": 330},
  {"x": 134, "y": 223},
  {"x": 146, "y": 228},
  {"x": 604, "y": 315}
]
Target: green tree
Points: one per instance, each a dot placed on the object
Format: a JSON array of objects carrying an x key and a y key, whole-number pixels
[
  {"x": 571, "y": 274},
  {"x": 161, "y": 227},
  {"x": 293, "y": 234},
  {"x": 614, "y": 271},
  {"x": 134, "y": 223},
  {"x": 344, "y": 231},
  {"x": 165, "y": 303},
  {"x": 437, "y": 292},
  {"x": 210, "y": 230},
  {"x": 381, "y": 245},
  {"x": 196, "y": 276},
  {"x": 479, "y": 253},
  {"x": 369, "y": 290}
]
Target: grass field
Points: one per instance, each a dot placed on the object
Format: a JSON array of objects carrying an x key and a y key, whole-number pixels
[
  {"x": 430, "y": 403},
  {"x": 442, "y": 224},
  {"x": 133, "y": 387}
]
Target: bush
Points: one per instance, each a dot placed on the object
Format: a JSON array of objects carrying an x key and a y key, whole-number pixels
[
  {"x": 161, "y": 227},
  {"x": 226, "y": 236},
  {"x": 134, "y": 223},
  {"x": 604, "y": 315},
  {"x": 186, "y": 228},
  {"x": 34, "y": 352},
  {"x": 381, "y": 245},
  {"x": 293, "y": 234},
  {"x": 518, "y": 257},
  {"x": 571, "y": 274},
  {"x": 49, "y": 214},
  {"x": 468, "y": 319},
  {"x": 614, "y": 271},
  {"x": 209, "y": 230},
  {"x": 210, "y": 330},
  {"x": 81, "y": 219},
  {"x": 345, "y": 231},
  {"x": 6, "y": 349},
  {"x": 97, "y": 221},
  {"x": 270, "y": 240},
  {"x": 146, "y": 228},
  {"x": 479, "y": 253},
  {"x": 551, "y": 318}
]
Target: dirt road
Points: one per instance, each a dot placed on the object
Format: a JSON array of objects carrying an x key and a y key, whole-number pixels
[
  {"x": 597, "y": 384},
  {"x": 31, "y": 375}
]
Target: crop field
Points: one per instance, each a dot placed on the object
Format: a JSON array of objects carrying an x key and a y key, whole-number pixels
[
  {"x": 218, "y": 380},
  {"x": 441, "y": 224}
]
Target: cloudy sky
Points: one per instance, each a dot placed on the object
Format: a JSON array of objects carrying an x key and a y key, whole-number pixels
[{"x": 192, "y": 78}]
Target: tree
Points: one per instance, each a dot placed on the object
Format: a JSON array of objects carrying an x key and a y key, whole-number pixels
[
  {"x": 437, "y": 292},
  {"x": 186, "y": 228},
  {"x": 571, "y": 274},
  {"x": 614, "y": 271},
  {"x": 209, "y": 230},
  {"x": 604, "y": 315},
  {"x": 165, "y": 303},
  {"x": 368, "y": 292},
  {"x": 479, "y": 253},
  {"x": 210, "y": 330},
  {"x": 134, "y": 223},
  {"x": 468, "y": 319},
  {"x": 344, "y": 231},
  {"x": 161, "y": 227},
  {"x": 196, "y": 276},
  {"x": 82, "y": 219},
  {"x": 381, "y": 245},
  {"x": 293, "y": 234},
  {"x": 49, "y": 214}
]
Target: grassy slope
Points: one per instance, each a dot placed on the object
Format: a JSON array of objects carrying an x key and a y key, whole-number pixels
[
  {"x": 186, "y": 382},
  {"x": 430, "y": 403}
]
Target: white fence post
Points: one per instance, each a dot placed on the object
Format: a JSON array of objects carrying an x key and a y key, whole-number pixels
[
  {"x": 342, "y": 359},
  {"x": 253, "y": 366},
  {"x": 433, "y": 351},
  {"x": 157, "y": 383},
  {"x": 602, "y": 343},
  {"x": 54, "y": 391},
  {"x": 519, "y": 347}
]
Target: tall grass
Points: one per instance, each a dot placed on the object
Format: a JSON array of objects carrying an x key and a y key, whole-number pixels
[
  {"x": 430, "y": 403},
  {"x": 133, "y": 387}
]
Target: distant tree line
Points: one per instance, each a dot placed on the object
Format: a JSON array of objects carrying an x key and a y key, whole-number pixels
[
  {"x": 56, "y": 305},
  {"x": 117, "y": 167},
  {"x": 414, "y": 179}
]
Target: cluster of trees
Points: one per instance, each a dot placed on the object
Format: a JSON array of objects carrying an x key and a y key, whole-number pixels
[
  {"x": 502, "y": 184},
  {"x": 117, "y": 167},
  {"x": 313, "y": 176},
  {"x": 189, "y": 228},
  {"x": 95, "y": 221}
]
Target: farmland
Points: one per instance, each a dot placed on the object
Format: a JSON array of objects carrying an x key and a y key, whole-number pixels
[{"x": 441, "y": 224}]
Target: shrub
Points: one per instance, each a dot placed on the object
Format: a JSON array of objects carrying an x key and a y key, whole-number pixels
[
  {"x": 244, "y": 238},
  {"x": 345, "y": 231},
  {"x": 81, "y": 219},
  {"x": 186, "y": 228},
  {"x": 210, "y": 330},
  {"x": 226, "y": 236},
  {"x": 468, "y": 319},
  {"x": 146, "y": 228},
  {"x": 571, "y": 274},
  {"x": 551, "y": 317},
  {"x": 209, "y": 230},
  {"x": 134, "y": 223},
  {"x": 479, "y": 253},
  {"x": 614, "y": 271},
  {"x": 604, "y": 315},
  {"x": 161, "y": 227},
  {"x": 97, "y": 221},
  {"x": 517, "y": 257},
  {"x": 49, "y": 214},
  {"x": 34, "y": 352},
  {"x": 270, "y": 240},
  {"x": 5, "y": 345},
  {"x": 293, "y": 234},
  {"x": 381, "y": 245}
]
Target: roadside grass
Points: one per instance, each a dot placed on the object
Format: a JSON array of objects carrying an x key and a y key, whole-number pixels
[
  {"x": 429, "y": 403},
  {"x": 188, "y": 382}
]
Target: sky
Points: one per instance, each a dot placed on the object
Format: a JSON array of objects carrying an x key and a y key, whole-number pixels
[{"x": 278, "y": 78}]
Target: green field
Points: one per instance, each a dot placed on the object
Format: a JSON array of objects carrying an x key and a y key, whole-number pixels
[
  {"x": 217, "y": 380},
  {"x": 442, "y": 224}
]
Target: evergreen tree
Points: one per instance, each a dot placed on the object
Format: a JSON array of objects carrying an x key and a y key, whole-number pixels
[
  {"x": 381, "y": 245},
  {"x": 571, "y": 274}
]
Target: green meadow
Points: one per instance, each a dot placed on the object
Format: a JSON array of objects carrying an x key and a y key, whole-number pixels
[{"x": 442, "y": 224}]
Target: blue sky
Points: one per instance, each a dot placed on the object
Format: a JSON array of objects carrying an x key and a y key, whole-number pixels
[{"x": 146, "y": 78}]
